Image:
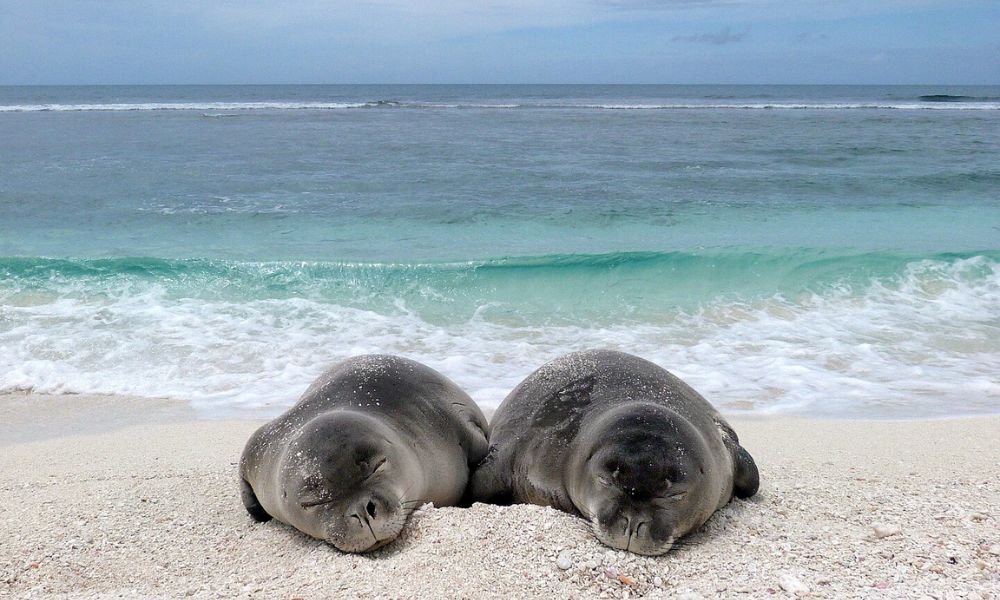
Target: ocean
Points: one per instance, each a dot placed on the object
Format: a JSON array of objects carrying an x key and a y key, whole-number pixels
[{"x": 812, "y": 250}]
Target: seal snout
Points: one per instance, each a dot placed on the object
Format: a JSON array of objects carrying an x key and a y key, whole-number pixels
[
  {"x": 368, "y": 522},
  {"x": 634, "y": 526},
  {"x": 634, "y": 529},
  {"x": 366, "y": 511},
  {"x": 635, "y": 532}
]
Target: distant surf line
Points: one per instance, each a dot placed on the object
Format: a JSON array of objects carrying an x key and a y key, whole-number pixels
[{"x": 244, "y": 107}]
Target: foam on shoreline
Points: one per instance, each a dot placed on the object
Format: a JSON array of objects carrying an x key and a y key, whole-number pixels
[
  {"x": 245, "y": 107},
  {"x": 870, "y": 335}
]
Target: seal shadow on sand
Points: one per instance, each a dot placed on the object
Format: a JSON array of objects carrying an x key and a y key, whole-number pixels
[
  {"x": 399, "y": 545},
  {"x": 307, "y": 544},
  {"x": 732, "y": 514},
  {"x": 704, "y": 535}
]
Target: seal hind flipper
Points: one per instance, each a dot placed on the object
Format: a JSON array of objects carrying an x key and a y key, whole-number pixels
[
  {"x": 476, "y": 441},
  {"x": 250, "y": 502},
  {"x": 728, "y": 434},
  {"x": 746, "y": 479},
  {"x": 487, "y": 485}
]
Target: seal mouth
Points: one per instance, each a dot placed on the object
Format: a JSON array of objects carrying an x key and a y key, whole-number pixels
[
  {"x": 637, "y": 541},
  {"x": 632, "y": 543},
  {"x": 370, "y": 543},
  {"x": 367, "y": 523},
  {"x": 380, "y": 543},
  {"x": 374, "y": 525},
  {"x": 655, "y": 550}
]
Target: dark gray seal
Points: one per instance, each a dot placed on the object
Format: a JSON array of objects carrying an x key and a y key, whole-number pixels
[
  {"x": 372, "y": 439},
  {"x": 620, "y": 441}
]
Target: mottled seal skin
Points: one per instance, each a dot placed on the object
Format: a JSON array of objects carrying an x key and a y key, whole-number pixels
[
  {"x": 619, "y": 441},
  {"x": 372, "y": 439}
]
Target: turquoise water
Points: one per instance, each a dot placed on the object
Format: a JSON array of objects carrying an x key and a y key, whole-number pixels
[{"x": 810, "y": 250}]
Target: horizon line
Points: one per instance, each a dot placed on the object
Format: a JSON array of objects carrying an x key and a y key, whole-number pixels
[{"x": 234, "y": 84}]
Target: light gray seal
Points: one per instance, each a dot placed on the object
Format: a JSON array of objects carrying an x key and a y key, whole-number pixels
[
  {"x": 371, "y": 440},
  {"x": 619, "y": 441}
]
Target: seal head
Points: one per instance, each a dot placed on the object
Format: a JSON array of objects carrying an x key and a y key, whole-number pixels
[
  {"x": 637, "y": 477},
  {"x": 346, "y": 481},
  {"x": 371, "y": 440}
]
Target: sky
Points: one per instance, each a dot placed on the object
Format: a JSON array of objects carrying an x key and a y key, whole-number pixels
[{"x": 499, "y": 41}]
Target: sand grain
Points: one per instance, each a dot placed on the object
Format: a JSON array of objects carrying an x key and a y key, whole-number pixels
[{"x": 152, "y": 510}]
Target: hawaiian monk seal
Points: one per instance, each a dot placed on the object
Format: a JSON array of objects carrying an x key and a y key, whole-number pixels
[
  {"x": 620, "y": 441},
  {"x": 370, "y": 440}
]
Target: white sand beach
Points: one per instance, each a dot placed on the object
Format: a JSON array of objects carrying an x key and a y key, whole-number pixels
[{"x": 115, "y": 497}]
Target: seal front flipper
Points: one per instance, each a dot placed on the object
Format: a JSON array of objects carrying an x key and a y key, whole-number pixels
[
  {"x": 476, "y": 430},
  {"x": 250, "y": 502},
  {"x": 486, "y": 484},
  {"x": 746, "y": 479}
]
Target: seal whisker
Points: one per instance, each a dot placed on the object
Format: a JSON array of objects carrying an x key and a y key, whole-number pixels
[
  {"x": 682, "y": 543},
  {"x": 416, "y": 503},
  {"x": 406, "y": 491}
]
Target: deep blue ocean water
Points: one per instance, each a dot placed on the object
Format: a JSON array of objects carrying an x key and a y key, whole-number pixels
[{"x": 817, "y": 250}]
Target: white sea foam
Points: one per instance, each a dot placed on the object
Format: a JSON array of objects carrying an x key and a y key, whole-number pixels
[
  {"x": 799, "y": 106},
  {"x": 925, "y": 345},
  {"x": 275, "y": 106},
  {"x": 199, "y": 106}
]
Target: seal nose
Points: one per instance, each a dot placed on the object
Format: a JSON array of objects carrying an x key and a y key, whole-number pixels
[
  {"x": 636, "y": 528},
  {"x": 366, "y": 511}
]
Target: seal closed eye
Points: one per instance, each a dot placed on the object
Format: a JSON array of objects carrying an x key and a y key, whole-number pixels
[
  {"x": 372, "y": 439},
  {"x": 619, "y": 441}
]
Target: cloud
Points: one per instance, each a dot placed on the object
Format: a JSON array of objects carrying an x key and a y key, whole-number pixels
[
  {"x": 724, "y": 36},
  {"x": 162, "y": 41}
]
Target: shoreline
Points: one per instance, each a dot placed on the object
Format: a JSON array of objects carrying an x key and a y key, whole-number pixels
[
  {"x": 113, "y": 496},
  {"x": 76, "y": 413},
  {"x": 80, "y": 414}
]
